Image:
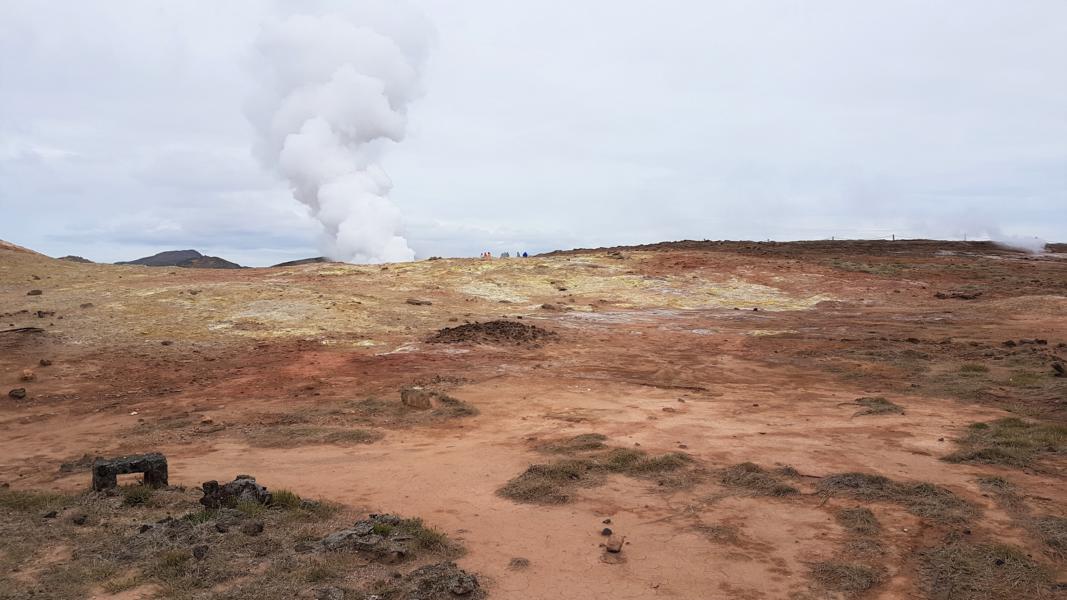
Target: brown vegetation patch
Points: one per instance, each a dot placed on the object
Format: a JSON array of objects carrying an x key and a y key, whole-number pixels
[
  {"x": 1053, "y": 532},
  {"x": 1010, "y": 441},
  {"x": 877, "y": 406},
  {"x": 924, "y": 500},
  {"x": 555, "y": 483},
  {"x": 295, "y": 436},
  {"x": 859, "y": 520},
  {"x": 847, "y": 577},
  {"x": 982, "y": 572},
  {"x": 754, "y": 479}
]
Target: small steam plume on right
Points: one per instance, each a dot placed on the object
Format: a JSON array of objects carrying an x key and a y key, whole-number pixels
[{"x": 1024, "y": 243}]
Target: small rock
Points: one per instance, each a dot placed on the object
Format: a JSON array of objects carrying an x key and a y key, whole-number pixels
[
  {"x": 614, "y": 546},
  {"x": 252, "y": 528},
  {"x": 44, "y": 362},
  {"x": 166, "y": 342},
  {"x": 200, "y": 552},
  {"x": 418, "y": 302},
  {"x": 80, "y": 519},
  {"x": 206, "y": 421},
  {"x": 87, "y": 305},
  {"x": 1059, "y": 369},
  {"x": 222, "y": 528},
  {"x": 144, "y": 528},
  {"x": 303, "y": 548},
  {"x": 606, "y": 521},
  {"x": 34, "y": 293},
  {"x": 606, "y": 532},
  {"x": 27, "y": 375},
  {"x": 50, "y": 515},
  {"x": 17, "y": 393}
]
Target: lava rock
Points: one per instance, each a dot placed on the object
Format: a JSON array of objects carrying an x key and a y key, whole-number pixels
[
  {"x": 17, "y": 393},
  {"x": 242, "y": 489}
]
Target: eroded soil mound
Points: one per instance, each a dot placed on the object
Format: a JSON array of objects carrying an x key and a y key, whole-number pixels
[{"x": 493, "y": 332}]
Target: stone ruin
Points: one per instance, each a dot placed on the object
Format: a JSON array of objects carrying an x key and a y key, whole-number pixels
[{"x": 106, "y": 471}]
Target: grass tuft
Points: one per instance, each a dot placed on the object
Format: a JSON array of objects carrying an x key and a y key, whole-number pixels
[
  {"x": 982, "y": 572},
  {"x": 1053, "y": 531},
  {"x": 136, "y": 495},
  {"x": 877, "y": 406},
  {"x": 859, "y": 520},
  {"x": 285, "y": 499},
  {"x": 921, "y": 499},
  {"x": 586, "y": 442},
  {"x": 554, "y": 483},
  {"x": 1010, "y": 441},
  {"x": 752, "y": 477},
  {"x": 846, "y": 577}
]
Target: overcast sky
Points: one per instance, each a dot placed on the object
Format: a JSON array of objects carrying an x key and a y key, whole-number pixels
[{"x": 553, "y": 124}]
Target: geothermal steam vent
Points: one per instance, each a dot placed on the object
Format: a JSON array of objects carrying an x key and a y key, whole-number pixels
[{"x": 334, "y": 94}]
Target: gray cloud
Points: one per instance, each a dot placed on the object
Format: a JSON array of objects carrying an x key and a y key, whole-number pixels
[{"x": 554, "y": 124}]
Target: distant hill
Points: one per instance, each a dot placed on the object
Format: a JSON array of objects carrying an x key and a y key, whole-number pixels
[
  {"x": 77, "y": 259},
  {"x": 188, "y": 259},
  {"x": 303, "y": 261}
]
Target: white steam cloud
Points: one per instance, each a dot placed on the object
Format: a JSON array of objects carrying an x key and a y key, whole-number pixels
[{"x": 335, "y": 88}]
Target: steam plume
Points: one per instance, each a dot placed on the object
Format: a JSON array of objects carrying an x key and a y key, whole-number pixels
[{"x": 335, "y": 92}]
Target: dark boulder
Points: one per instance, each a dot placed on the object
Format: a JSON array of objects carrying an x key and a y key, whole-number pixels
[{"x": 242, "y": 489}]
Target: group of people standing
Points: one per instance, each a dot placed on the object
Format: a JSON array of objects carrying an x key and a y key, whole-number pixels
[{"x": 489, "y": 255}]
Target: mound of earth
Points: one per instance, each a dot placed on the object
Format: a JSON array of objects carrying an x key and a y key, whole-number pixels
[
  {"x": 303, "y": 261},
  {"x": 189, "y": 259},
  {"x": 493, "y": 332},
  {"x": 77, "y": 259}
]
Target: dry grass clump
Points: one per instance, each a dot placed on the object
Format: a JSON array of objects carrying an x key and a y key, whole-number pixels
[
  {"x": 982, "y": 572},
  {"x": 756, "y": 480},
  {"x": 847, "y": 577},
  {"x": 1053, "y": 531},
  {"x": 1010, "y": 441},
  {"x": 551, "y": 483},
  {"x": 877, "y": 406},
  {"x": 586, "y": 442},
  {"x": 292, "y": 437},
  {"x": 921, "y": 499},
  {"x": 863, "y": 547},
  {"x": 859, "y": 520},
  {"x": 554, "y": 483}
]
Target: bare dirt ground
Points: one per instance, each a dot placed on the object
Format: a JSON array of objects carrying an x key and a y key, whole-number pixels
[{"x": 686, "y": 359}]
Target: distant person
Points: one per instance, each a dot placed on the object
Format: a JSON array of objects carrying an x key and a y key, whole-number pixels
[
  {"x": 505, "y": 255},
  {"x": 524, "y": 255}
]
